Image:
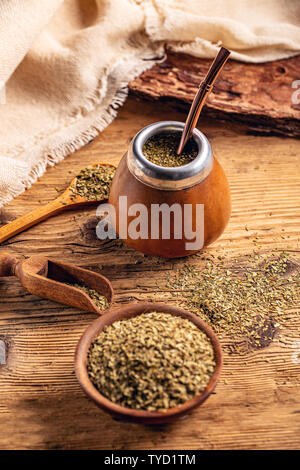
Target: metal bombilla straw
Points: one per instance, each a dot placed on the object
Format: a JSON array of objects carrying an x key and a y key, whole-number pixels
[{"x": 201, "y": 95}]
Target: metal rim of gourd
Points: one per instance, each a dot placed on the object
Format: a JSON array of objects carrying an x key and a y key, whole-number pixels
[{"x": 169, "y": 178}]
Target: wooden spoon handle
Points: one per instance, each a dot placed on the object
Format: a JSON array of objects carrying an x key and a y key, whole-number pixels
[
  {"x": 7, "y": 264},
  {"x": 28, "y": 220}
]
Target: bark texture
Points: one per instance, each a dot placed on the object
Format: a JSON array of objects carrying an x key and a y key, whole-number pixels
[{"x": 259, "y": 95}]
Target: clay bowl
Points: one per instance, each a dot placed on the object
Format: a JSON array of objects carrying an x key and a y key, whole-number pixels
[{"x": 128, "y": 414}]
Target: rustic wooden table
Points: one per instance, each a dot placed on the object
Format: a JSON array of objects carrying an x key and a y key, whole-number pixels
[{"x": 256, "y": 403}]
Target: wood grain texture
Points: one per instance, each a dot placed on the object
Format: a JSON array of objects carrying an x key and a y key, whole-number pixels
[
  {"x": 255, "y": 404},
  {"x": 259, "y": 95}
]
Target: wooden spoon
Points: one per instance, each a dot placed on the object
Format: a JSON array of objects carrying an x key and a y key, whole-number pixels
[
  {"x": 65, "y": 201},
  {"x": 45, "y": 277},
  {"x": 129, "y": 414}
]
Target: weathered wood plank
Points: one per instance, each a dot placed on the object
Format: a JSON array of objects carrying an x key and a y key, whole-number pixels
[{"x": 256, "y": 404}]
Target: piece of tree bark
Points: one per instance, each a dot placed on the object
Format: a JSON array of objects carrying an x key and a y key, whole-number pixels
[{"x": 259, "y": 95}]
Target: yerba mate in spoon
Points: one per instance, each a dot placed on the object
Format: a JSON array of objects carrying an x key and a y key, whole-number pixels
[{"x": 90, "y": 186}]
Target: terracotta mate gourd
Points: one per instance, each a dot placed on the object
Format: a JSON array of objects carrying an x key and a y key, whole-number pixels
[{"x": 202, "y": 181}]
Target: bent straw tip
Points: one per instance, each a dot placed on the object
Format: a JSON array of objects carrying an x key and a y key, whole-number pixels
[{"x": 199, "y": 99}]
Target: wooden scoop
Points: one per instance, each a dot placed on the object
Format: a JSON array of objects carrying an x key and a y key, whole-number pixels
[
  {"x": 45, "y": 277},
  {"x": 65, "y": 201}
]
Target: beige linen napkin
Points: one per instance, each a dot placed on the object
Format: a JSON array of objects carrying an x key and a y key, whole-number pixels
[
  {"x": 66, "y": 64},
  {"x": 254, "y": 30}
]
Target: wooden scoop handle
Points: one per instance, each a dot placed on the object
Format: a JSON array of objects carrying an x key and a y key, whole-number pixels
[
  {"x": 7, "y": 264},
  {"x": 28, "y": 220}
]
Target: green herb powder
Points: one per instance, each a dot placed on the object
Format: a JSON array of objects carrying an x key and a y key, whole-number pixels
[
  {"x": 161, "y": 150},
  {"x": 153, "y": 361},
  {"x": 241, "y": 298},
  {"x": 93, "y": 182},
  {"x": 99, "y": 300}
]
